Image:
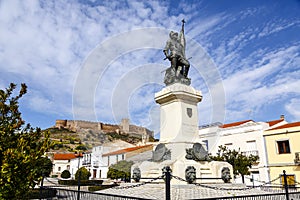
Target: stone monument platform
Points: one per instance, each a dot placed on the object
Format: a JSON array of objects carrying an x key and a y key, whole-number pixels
[{"x": 179, "y": 145}]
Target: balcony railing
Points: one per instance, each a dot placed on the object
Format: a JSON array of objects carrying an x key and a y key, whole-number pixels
[
  {"x": 86, "y": 162},
  {"x": 248, "y": 153}
]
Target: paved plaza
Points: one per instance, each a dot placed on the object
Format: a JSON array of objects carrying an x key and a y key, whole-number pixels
[{"x": 157, "y": 191}]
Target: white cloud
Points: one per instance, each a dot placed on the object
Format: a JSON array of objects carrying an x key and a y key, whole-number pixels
[
  {"x": 45, "y": 44},
  {"x": 275, "y": 26},
  {"x": 262, "y": 83},
  {"x": 293, "y": 107}
]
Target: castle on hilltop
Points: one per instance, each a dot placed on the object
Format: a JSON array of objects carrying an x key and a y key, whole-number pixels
[{"x": 123, "y": 128}]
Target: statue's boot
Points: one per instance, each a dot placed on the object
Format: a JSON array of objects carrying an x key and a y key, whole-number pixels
[
  {"x": 178, "y": 71},
  {"x": 186, "y": 71}
]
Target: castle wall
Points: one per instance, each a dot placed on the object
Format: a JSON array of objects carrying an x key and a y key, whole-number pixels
[
  {"x": 59, "y": 123},
  {"x": 109, "y": 127},
  {"x": 75, "y": 125}
]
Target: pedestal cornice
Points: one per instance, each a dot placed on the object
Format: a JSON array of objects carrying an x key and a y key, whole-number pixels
[{"x": 178, "y": 92}]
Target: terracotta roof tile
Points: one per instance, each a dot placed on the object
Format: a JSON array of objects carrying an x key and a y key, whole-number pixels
[
  {"x": 235, "y": 124},
  {"x": 289, "y": 125},
  {"x": 122, "y": 151},
  {"x": 64, "y": 156},
  {"x": 272, "y": 123}
]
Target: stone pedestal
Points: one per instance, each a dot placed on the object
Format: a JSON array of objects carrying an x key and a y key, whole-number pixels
[
  {"x": 178, "y": 113},
  {"x": 179, "y": 133}
]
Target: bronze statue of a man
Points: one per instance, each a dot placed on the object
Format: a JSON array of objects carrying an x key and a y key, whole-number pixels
[{"x": 175, "y": 52}]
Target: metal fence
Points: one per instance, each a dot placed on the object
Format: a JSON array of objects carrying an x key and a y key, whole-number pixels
[
  {"x": 59, "y": 193},
  {"x": 284, "y": 192},
  {"x": 275, "y": 192},
  {"x": 278, "y": 196},
  {"x": 73, "y": 195}
]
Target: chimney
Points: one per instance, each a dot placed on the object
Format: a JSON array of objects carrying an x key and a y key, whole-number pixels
[{"x": 281, "y": 116}]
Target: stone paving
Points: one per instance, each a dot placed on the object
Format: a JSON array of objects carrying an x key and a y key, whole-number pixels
[{"x": 179, "y": 192}]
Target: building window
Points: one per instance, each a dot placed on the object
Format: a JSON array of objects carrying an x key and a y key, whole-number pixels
[
  {"x": 251, "y": 145},
  {"x": 251, "y": 148},
  {"x": 68, "y": 167},
  {"x": 283, "y": 146},
  {"x": 59, "y": 169},
  {"x": 123, "y": 157},
  {"x": 229, "y": 146}
]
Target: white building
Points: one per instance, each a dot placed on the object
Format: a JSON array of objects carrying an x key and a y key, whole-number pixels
[
  {"x": 93, "y": 161},
  {"x": 246, "y": 136},
  {"x": 125, "y": 154},
  {"x": 66, "y": 161}
]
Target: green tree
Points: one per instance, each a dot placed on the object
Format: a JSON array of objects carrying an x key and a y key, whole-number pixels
[
  {"x": 44, "y": 167},
  {"x": 240, "y": 162},
  {"x": 21, "y": 147},
  {"x": 121, "y": 169},
  {"x": 84, "y": 174}
]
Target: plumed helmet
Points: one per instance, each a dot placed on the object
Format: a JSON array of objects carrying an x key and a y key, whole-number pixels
[{"x": 173, "y": 34}]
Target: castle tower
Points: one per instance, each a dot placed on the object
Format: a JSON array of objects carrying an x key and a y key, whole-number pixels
[{"x": 125, "y": 125}]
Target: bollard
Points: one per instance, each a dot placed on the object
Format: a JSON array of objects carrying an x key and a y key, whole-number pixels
[
  {"x": 167, "y": 173},
  {"x": 286, "y": 185},
  {"x": 78, "y": 193}
]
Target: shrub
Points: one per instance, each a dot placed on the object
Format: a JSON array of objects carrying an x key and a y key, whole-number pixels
[
  {"x": 120, "y": 170},
  {"x": 81, "y": 147},
  {"x": 84, "y": 174},
  {"x": 66, "y": 174}
]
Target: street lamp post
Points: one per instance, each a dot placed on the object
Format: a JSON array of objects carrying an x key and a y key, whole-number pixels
[{"x": 79, "y": 174}]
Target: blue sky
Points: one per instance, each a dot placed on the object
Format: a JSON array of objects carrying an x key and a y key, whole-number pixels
[{"x": 102, "y": 60}]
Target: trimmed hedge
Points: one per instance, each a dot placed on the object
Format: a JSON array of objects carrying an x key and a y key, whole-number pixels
[
  {"x": 41, "y": 194},
  {"x": 82, "y": 182},
  {"x": 101, "y": 187}
]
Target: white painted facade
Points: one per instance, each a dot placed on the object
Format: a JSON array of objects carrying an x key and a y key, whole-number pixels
[
  {"x": 75, "y": 164},
  {"x": 60, "y": 165},
  {"x": 113, "y": 159},
  {"x": 246, "y": 137},
  {"x": 93, "y": 161}
]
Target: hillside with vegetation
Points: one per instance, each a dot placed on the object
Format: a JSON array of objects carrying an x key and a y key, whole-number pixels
[{"x": 65, "y": 140}]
